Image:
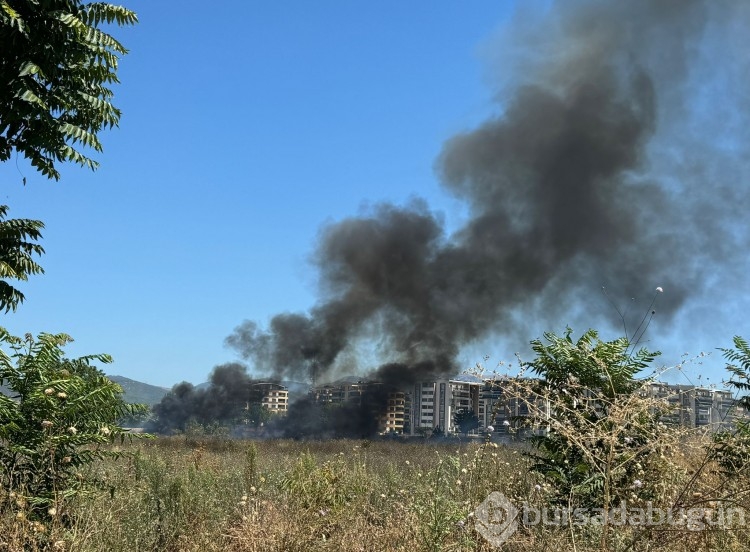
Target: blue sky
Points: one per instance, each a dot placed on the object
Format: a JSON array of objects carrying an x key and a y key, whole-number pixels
[{"x": 246, "y": 126}]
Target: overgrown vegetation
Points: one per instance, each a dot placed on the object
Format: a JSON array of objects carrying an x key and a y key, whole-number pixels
[
  {"x": 598, "y": 434},
  {"x": 603, "y": 445},
  {"x": 55, "y": 423},
  {"x": 221, "y": 494}
]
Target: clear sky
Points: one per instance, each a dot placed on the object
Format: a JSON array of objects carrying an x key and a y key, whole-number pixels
[{"x": 246, "y": 126}]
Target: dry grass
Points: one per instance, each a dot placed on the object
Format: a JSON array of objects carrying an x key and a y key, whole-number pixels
[{"x": 181, "y": 494}]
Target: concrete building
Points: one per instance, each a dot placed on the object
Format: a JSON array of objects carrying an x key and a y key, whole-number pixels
[
  {"x": 396, "y": 414},
  {"x": 392, "y": 413},
  {"x": 339, "y": 392},
  {"x": 435, "y": 403},
  {"x": 503, "y": 410},
  {"x": 431, "y": 406},
  {"x": 690, "y": 406},
  {"x": 274, "y": 397}
]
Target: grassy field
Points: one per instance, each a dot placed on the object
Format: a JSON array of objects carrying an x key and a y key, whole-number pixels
[{"x": 213, "y": 494}]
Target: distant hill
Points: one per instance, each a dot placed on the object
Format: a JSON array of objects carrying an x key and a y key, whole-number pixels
[{"x": 139, "y": 392}]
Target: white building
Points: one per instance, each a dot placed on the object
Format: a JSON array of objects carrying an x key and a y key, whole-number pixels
[{"x": 435, "y": 403}]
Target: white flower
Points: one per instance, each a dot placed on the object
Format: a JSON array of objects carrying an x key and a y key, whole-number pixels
[
  {"x": 506, "y": 423},
  {"x": 637, "y": 483},
  {"x": 490, "y": 429},
  {"x": 660, "y": 289},
  {"x": 105, "y": 430},
  {"x": 72, "y": 430},
  {"x": 537, "y": 487}
]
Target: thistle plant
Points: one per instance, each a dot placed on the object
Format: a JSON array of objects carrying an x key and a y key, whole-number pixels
[{"x": 58, "y": 415}]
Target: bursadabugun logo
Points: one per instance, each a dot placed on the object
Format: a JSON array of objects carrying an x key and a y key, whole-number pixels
[{"x": 496, "y": 518}]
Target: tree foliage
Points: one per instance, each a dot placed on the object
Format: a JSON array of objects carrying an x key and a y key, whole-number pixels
[
  {"x": 466, "y": 420},
  {"x": 732, "y": 447},
  {"x": 17, "y": 248},
  {"x": 597, "y": 430},
  {"x": 58, "y": 415},
  {"x": 738, "y": 366},
  {"x": 57, "y": 68}
]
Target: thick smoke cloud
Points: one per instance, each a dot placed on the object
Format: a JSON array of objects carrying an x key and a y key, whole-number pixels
[
  {"x": 588, "y": 175},
  {"x": 223, "y": 401}
]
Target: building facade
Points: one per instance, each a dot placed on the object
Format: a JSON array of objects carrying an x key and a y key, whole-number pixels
[
  {"x": 434, "y": 404},
  {"x": 273, "y": 396}
]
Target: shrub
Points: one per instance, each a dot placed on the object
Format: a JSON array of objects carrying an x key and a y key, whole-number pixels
[
  {"x": 56, "y": 419},
  {"x": 598, "y": 432}
]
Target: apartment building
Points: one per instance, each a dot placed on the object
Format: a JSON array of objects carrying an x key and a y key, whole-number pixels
[
  {"x": 431, "y": 406},
  {"x": 274, "y": 397},
  {"x": 435, "y": 403},
  {"x": 392, "y": 414},
  {"x": 690, "y": 406},
  {"x": 502, "y": 408},
  {"x": 396, "y": 415},
  {"x": 339, "y": 392}
]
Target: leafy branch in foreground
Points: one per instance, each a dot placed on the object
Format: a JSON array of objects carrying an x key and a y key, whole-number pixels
[
  {"x": 56, "y": 420},
  {"x": 56, "y": 71},
  {"x": 732, "y": 447},
  {"x": 17, "y": 237}
]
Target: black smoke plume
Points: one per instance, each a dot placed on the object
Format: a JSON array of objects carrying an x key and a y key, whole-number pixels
[
  {"x": 308, "y": 419},
  {"x": 566, "y": 189},
  {"x": 225, "y": 401}
]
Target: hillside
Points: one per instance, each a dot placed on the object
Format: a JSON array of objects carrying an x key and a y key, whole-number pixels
[{"x": 139, "y": 392}]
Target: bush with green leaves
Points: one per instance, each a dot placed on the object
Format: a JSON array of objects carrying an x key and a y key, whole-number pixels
[
  {"x": 731, "y": 448},
  {"x": 599, "y": 434},
  {"x": 57, "y": 417}
]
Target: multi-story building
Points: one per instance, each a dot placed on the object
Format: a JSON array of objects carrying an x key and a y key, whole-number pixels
[
  {"x": 431, "y": 406},
  {"x": 691, "y": 406},
  {"x": 503, "y": 406},
  {"x": 435, "y": 403},
  {"x": 392, "y": 414},
  {"x": 273, "y": 396},
  {"x": 683, "y": 405},
  {"x": 396, "y": 414},
  {"x": 339, "y": 392}
]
